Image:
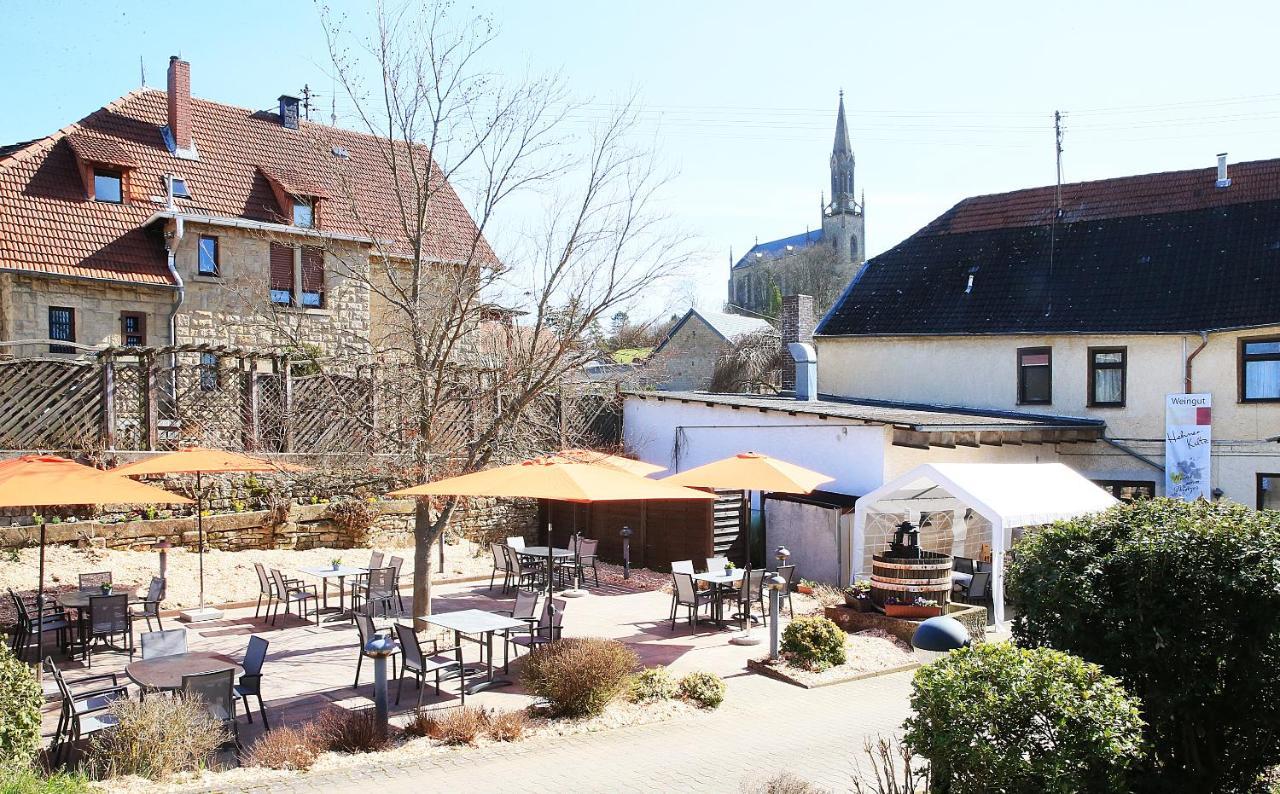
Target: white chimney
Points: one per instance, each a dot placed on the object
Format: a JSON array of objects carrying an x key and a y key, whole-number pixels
[{"x": 1223, "y": 180}]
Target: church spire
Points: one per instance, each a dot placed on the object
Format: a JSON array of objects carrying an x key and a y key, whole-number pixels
[{"x": 842, "y": 195}]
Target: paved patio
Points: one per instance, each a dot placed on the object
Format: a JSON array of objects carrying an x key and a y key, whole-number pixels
[{"x": 311, "y": 667}]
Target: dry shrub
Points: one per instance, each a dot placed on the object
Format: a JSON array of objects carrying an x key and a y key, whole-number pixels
[
  {"x": 355, "y": 518},
  {"x": 507, "y": 726},
  {"x": 285, "y": 748},
  {"x": 350, "y": 731},
  {"x": 783, "y": 783},
  {"x": 579, "y": 676},
  {"x": 156, "y": 738},
  {"x": 465, "y": 725}
]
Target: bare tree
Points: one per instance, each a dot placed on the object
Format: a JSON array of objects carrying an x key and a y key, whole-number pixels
[
  {"x": 472, "y": 352},
  {"x": 753, "y": 364},
  {"x": 817, "y": 271}
]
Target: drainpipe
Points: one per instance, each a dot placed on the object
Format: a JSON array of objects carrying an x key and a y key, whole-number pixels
[
  {"x": 1204, "y": 340},
  {"x": 171, "y": 248}
]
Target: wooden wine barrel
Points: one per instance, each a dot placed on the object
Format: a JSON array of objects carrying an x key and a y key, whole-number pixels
[{"x": 927, "y": 576}]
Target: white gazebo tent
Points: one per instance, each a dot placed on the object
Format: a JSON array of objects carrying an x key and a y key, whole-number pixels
[{"x": 1007, "y": 495}]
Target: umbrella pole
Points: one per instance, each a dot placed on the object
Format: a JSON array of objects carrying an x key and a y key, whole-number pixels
[
  {"x": 200, "y": 533},
  {"x": 40, "y": 610}
]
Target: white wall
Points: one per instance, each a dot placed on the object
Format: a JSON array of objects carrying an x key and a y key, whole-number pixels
[{"x": 852, "y": 453}]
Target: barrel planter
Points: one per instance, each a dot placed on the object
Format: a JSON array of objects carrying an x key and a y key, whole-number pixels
[{"x": 907, "y": 578}]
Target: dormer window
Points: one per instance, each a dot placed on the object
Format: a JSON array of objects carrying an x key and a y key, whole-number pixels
[
  {"x": 108, "y": 186},
  {"x": 304, "y": 212},
  {"x": 179, "y": 187}
]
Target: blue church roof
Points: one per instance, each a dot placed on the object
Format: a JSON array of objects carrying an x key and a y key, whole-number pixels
[{"x": 778, "y": 248}]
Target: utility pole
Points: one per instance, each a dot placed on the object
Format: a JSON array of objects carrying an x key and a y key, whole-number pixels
[{"x": 1057, "y": 207}]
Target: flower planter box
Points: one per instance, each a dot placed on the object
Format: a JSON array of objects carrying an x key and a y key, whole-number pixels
[
  {"x": 804, "y": 588},
  {"x": 863, "y": 604},
  {"x": 911, "y": 612}
]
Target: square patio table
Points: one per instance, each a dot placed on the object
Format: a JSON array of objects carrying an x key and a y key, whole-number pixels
[
  {"x": 326, "y": 572},
  {"x": 470, "y": 623},
  {"x": 719, "y": 580}
]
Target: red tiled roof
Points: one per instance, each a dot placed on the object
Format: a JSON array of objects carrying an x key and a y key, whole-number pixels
[
  {"x": 1147, "y": 194},
  {"x": 47, "y": 225},
  {"x": 294, "y": 182}
]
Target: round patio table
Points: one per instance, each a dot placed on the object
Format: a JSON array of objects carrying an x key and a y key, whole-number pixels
[
  {"x": 164, "y": 673},
  {"x": 79, "y": 599},
  {"x": 541, "y": 551}
]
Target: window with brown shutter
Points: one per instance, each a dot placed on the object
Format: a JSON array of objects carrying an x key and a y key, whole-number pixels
[
  {"x": 282, "y": 274},
  {"x": 312, "y": 276}
]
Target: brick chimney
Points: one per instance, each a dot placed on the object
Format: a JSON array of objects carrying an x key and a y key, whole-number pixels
[
  {"x": 180, "y": 103},
  {"x": 796, "y": 323}
]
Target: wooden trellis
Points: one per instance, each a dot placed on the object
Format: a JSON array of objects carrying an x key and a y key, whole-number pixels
[{"x": 49, "y": 403}]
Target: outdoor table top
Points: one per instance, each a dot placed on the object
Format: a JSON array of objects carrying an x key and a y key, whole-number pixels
[
  {"x": 166, "y": 672},
  {"x": 719, "y": 577},
  {"x": 329, "y": 572},
  {"x": 474, "y": 621},
  {"x": 541, "y": 551},
  {"x": 79, "y": 599}
]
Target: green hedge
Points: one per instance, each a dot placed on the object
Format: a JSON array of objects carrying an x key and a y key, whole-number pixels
[
  {"x": 20, "y": 701},
  {"x": 997, "y": 718},
  {"x": 1180, "y": 601}
]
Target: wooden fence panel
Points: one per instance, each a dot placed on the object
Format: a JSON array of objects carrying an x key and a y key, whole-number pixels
[{"x": 49, "y": 404}]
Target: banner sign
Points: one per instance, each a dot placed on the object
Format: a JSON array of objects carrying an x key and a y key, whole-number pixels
[{"x": 1187, "y": 443}]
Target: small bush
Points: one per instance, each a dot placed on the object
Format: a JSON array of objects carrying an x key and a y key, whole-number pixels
[
  {"x": 813, "y": 642},
  {"x": 578, "y": 677},
  {"x": 285, "y": 748},
  {"x": 461, "y": 725},
  {"x": 995, "y": 717},
  {"x": 654, "y": 683},
  {"x": 507, "y": 726},
  {"x": 156, "y": 738},
  {"x": 20, "y": 702},
  {"x": 350, "y": 731},
  {"x": 705, "y": 689},
  {"x": 30, "y": 781},
  {"x": 783, "y": 783}
]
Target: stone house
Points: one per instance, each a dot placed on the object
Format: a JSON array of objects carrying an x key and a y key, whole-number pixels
[
  {"x": 686, "y": 357},
  {"x": 166, "y": 219}
]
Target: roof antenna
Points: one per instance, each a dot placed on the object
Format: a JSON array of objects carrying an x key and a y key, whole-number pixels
[
  {"x": 306, "y": 100},
  {"x": 142, "y": 67}
]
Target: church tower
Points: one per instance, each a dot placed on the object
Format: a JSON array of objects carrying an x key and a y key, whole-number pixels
[{"x": 842, "y": 220}]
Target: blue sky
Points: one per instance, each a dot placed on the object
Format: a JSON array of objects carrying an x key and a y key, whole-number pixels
[{"x": 945, "y": 100}]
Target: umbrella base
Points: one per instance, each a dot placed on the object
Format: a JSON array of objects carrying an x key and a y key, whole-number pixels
[
  {"x": 746, "y": 639},
  {"x": 200, "y": 615},
  {"x": 573, "y": 593}
]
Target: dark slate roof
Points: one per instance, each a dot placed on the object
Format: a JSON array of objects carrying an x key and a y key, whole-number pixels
[
  {"x": 1161, "y": 253},
  {"x": 910, "y": 416},
  {"x": 778, "y": 248}
]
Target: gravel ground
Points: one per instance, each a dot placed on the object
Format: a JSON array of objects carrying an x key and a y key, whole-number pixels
[{"x": 867, "y": 651}]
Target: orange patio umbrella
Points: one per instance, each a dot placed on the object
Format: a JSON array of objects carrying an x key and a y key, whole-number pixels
[
  {"x": 45, "y": 481},
  {"x": 552, "y": 478},
  {"x": 629, "y": 465},
  {"x": 200, "y": 461}
]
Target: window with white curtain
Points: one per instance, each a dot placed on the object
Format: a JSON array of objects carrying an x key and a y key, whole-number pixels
[
  {"x": 1107, "y": 369},
  {"x": 1260, "y": 370}
]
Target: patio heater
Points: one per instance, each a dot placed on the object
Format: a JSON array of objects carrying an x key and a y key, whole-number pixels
[
  {"x": 380, "y": 647},
  {"x": 776, "y": 583},
  {"x": 626, "y": 552}
]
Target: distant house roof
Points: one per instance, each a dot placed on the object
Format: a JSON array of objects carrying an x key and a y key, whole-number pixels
[
  {"x": 775, "y": 249},
  {"x": 730, "y": 327},
  {"x": 1159, "y": 253},
  {"x": 47, "y": 224}
]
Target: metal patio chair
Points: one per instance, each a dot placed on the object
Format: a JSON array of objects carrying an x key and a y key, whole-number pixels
[
  {"x": 748, "y": 595},
  {"x": 216, "y": 690},
  {"x": 82, "y": 711},
  {"x": 686, "y": 595},
  {"x": 170, "y": 642},
  {"x": 94, "y": 581},
  {"x": 366, "y": 630},
  {"x": 149, "y": 607},
  {"x": 787, "y": 572},
  {"x": 55, "y": 619},
  {"x": 109, "y": 618},
  {"x": 251, "y": 682},
  {"x": 500, "y": 565},
  {"x": 548, "y": 628},
  {"x": 290, "y": 592},
  {"x": 418, "y": 663},
  {"x": 396, "y": 565},
  {"x": 516, "y": 541},
  {"x": 265, "y": 588}
]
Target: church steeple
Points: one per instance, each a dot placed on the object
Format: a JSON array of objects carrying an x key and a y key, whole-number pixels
[{"x": 842, "y": 194}]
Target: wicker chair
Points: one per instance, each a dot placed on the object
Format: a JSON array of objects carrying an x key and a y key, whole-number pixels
[
  {"x": 149, "y": 607},
  {"x": 251, "y": 682},
  {"x": 216, "y": 690},
  {"x": 109, "y": 618}
]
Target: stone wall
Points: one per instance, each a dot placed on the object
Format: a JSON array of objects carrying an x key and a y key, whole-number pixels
[
  {"x": 25, "y": 302},
  {"x": 688, "y": 359}
]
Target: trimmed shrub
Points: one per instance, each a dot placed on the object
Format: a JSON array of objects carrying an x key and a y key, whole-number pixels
[
  {"x": 1181, "y": 602},
  {"x": 507, "y": 726},
  {"x": 156, "y": 738},
  {"x": 579, "y": 676},
  {"x": 705, "y": 689},
  {"x": 783, "y": 783},
  {"x": 20, "y": 702},
  {"x": 995, "y": 717},
  {"x": 813, "y": 642},
  {"x": 350, "y": 731},
  {"x": 285, "y": 748},
  {"x": 654, "y": 683}
]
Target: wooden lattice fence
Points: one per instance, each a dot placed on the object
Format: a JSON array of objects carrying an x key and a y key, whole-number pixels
[{"x": 49, "y": 403}]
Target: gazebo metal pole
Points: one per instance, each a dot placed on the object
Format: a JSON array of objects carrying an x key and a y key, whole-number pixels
[
  {"x": 40, "y": 608},
  {"x": 200, "y": 533}
]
